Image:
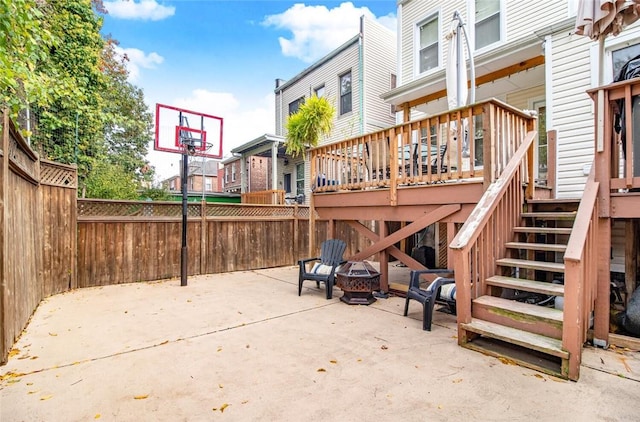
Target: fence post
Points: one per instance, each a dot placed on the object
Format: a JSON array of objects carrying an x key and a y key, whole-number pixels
[
  {"x": 296, "y": 235},
  {"x": 203, "y": 236},
  {"x": 4, "y": 176}
]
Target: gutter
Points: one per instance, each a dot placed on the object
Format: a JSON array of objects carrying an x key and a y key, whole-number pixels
[{"x": 361, "y": 73}]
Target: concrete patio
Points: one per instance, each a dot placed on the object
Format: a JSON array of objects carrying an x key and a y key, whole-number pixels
[{"x": 243, "y": 346}]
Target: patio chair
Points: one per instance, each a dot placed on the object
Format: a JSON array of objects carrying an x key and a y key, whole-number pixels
[
  {"x": 324, "y": 269},
  {"x": 427, "y": 297}
]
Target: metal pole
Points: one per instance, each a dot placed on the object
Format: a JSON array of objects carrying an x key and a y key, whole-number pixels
[
  {"x": 183, "y": 256},
  {"x": 459, "y": 61}
]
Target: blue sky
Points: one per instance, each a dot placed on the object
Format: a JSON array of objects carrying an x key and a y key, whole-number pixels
[{"x": 222, "y": 57}]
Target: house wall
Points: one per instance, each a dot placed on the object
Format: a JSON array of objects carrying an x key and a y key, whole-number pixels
[
  {"x": 258, "y": 172},
  {"x": 328, "y": 74},
  {"x": 520, "y": 19},
  {"x": 571, "y": 111},
  {"x": 231, "y": 185},
  {"x": 379, "y": 58},
  {"x": 370, "y": 77},
  {"x": 522, "y": 99}
]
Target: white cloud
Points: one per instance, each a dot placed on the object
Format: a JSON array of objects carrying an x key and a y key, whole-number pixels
[
  {"x": 317, "y": 30},
  {"x": 138, "y": 59},
  {"x": 143, "y": 10},
  {"x": 243, "y": 122}
]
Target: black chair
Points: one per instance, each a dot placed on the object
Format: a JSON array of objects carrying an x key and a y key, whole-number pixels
[
  {"x": 427, "y": 297},
  {"x": 325, "y": 266}
]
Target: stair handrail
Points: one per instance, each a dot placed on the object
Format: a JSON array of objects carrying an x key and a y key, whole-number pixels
[
  {"x": 581, "y": 275},
  {"x": 477, "y": 221}
]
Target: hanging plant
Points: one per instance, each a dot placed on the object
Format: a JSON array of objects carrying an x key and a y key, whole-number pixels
[{"x": 313, "y": 120}]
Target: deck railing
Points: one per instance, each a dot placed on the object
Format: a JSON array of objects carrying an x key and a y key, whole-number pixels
[
  {"x": 581, "y": 276},
  {"x": 265, "y": 197},
  {"x": 481, "y": 240},
  {"x": 617, "y": 108},
  {"x": 468, "y": 142}
]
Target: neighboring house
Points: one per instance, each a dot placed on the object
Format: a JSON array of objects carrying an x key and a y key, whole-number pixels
[
  {"x": 202, "y": 177},
  {"x": 530, "y": 63},
  {"x": 352, "y": 77},
  {"x": 255, "y": 171}
]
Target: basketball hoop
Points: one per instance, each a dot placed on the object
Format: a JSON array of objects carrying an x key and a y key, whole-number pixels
[{"x": 189, "y": 133}]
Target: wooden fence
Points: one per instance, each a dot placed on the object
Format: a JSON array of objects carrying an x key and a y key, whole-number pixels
[
  {"x": 50, "y": 242},
  {"x": 128, "y": 241},
  {"x": 37, "y": 232}
]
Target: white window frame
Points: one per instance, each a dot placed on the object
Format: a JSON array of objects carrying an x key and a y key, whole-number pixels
[
  {"x": 208, "y": 184},
  {"x": 535, "y": 103},
  {"x": 340, "y": 76},
  {"x": 233, "y": 172},
  {"x": 323, "y": 90},
  {"x": 435, "y": 15},
  {"x": 471, "y": 27},
  {"x": 301, "y": 179},
  {"x": 612, "y": 44}
]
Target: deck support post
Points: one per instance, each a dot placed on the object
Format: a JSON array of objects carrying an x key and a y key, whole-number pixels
[
  {"x": 384, "y": 260},
  {"x": 601, "y": 308}
]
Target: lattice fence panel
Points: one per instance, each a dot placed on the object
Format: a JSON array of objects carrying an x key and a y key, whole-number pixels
[
  {"x": 92, "y": 208},
  {"x": 55, "y": 174},
  {"x": 249, "y": 211}
]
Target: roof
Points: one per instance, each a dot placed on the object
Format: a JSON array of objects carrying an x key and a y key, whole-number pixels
[
  {"x": 258, "y": 143},
  {"x": 318, "y": 64}
]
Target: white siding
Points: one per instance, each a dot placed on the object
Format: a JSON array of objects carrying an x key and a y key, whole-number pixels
[
  {"x": 572, "y": 112},
  {"x": 379, "y": 56},
  {"x": 525, "y": 17},
  {"x": 522, "y": 99},
  {"x": 521, "y": 18},
  {"x": 328, "y": 75},
  {"x": 379, "y": 49},
  {"x": 618, "y": 231}
]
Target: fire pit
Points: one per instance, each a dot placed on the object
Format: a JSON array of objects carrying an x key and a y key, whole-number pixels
[{"x": 358, "y": 280}]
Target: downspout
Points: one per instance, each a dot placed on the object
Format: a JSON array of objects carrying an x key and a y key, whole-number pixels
[{"x": 361, "y": 73}]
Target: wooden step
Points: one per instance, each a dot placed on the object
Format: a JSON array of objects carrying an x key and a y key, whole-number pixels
[
  {"x": 515, "y": 307},
  {"x": 544, "y": 247},
  {"x": 533, "y": 265},
  {"x": 523, "y": 316},
  {"x": 555, "y": 215},
  {"x": 522, "y": 338},
  {"x": 543, "y": 230},
  {"x": 533, "y": 286},
  {"x": 554, "y": 201}
]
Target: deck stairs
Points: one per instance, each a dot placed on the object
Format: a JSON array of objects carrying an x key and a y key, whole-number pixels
[{"x": 519, "y": 316}]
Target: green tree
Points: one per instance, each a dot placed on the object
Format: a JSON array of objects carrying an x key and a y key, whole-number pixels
[
  {"x": 54, "y": 61},
  {"x": 313, "y": 119},
  {"x": 24, "y": 43},
  {"x": 110, "y": 181},
  {"x": 128, "y": 122},
  {"x": 155, "y": 194},
  {"x": 70, "y": 124}
]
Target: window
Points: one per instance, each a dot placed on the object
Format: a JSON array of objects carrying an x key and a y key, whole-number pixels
[
  {"x": 319, "y": 91},
  {"x": 428, "y": 45},
  {"x": 487, "y": 27},
  {"x": 295, "y": 105},
  {"x": 208, "y": 184},
  {"x": 287, "y": 183},
  {"x": 622, "y": 56},
  {"x": 233, "y": 172},
  {"x": 300, "y": 179},
  {"x": 345, "y": 93},
  {"x": 540, "y": 107},
  {"x": 226, "y": 174}
]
